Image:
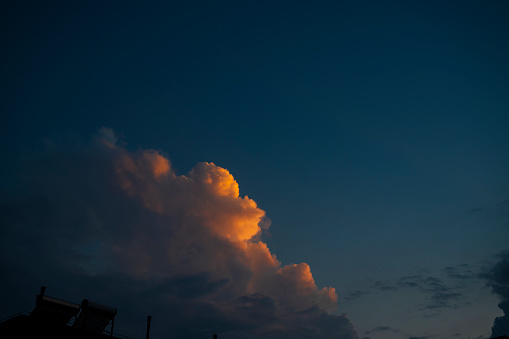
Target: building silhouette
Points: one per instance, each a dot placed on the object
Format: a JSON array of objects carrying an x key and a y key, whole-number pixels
[{"x": 58, "y": 319}]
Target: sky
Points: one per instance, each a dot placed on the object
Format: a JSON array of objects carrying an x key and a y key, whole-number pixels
[{"x": 282, "y": 169}]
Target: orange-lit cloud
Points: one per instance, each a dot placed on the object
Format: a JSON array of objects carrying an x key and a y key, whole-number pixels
[
  {"x": 209, "y": 196},
  {"x": 192, "y": 235}
]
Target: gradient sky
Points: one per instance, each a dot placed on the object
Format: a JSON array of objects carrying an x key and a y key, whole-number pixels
[{"x": 374, "y": 135}]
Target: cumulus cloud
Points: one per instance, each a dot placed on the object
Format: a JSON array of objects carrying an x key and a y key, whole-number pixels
[
  {"x": 185, "y": 246},
  {"x": 498, "y": 278}
]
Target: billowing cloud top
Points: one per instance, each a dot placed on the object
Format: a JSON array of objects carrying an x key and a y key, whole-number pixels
[{"x": 189, "y": 243}]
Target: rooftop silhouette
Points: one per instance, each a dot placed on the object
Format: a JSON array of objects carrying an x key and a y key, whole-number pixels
[{"x": 55, "y": 318}]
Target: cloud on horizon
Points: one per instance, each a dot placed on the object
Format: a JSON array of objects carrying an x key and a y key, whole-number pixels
[
  {"x": 122, "y": 225},
  {"x": 498, "y": 279},
  {"x": 444, "y": 291}
]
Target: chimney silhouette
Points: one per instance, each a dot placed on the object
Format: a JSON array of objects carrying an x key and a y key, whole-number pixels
[{"x": 149, "y": 319}]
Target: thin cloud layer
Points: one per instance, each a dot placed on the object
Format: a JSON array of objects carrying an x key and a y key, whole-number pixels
[{"x": 185, "y": 246}]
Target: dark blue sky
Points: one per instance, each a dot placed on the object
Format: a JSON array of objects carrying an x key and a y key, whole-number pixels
[{"x": 375, "y": 135}]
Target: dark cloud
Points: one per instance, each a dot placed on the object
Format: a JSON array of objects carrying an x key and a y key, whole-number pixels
[
  {"x": 382, "y": 286},
  {"x": 193, "y": 286},
  {"x": 95, "y": 220},
  {"x": 409, "y": 281},
  {"x": 383, "y": 329},
  {"x": 356, "y": 294},
  {"x": 441, "y": 294},
  {"x": 461, "y": 272},
  {"x": 498, "y": 279},
  {"x": 446, "y": 290}
]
